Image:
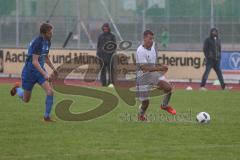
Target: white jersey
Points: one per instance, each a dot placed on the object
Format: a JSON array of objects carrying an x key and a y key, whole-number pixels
[{"x": 145, "y": 56}]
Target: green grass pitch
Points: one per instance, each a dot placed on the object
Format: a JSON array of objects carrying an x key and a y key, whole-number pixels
[{"x": 23, "y": 135}]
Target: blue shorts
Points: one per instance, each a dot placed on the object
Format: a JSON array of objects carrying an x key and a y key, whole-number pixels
[{"x": 30, "y": 77}]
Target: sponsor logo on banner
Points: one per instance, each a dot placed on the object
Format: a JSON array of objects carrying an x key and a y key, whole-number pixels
[
  {"x": 230, "y": 65},
  {"x": 234, "y": 61},
  {"x": 230, "y": 61}
]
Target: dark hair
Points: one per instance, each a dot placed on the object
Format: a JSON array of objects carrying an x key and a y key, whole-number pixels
[
  {"x": 106, "y": 25},
  {"x": 45, "y": 27},
  {"x": 147, "y": 32}
]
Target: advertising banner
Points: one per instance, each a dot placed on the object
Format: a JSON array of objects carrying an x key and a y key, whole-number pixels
[{"x": 182, "y": 65}]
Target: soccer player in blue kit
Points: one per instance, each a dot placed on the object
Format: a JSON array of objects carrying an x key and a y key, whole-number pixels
[{"x": 34, "y": 72}]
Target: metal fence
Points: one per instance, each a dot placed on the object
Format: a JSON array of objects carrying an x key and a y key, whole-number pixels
[{"x": 178, "y": 24}]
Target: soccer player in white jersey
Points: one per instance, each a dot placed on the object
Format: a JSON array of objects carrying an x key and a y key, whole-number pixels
[{"x": 150, "y": 74}]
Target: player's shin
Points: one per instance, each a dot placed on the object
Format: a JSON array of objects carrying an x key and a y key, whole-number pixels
[
  {"x": 49, "y": 103},
  {"x": 141, "y": 111},
  {"x": 166, "y": 99},
  {"x": 143, "y": 107}
]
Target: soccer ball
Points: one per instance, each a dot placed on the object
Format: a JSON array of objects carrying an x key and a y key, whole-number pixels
[{"x": 203, "y": 117}]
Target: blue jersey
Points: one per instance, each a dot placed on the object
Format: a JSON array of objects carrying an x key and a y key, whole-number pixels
[{"x": 38, "y": 46}]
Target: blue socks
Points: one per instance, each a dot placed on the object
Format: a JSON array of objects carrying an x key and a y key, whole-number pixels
[
  {"x": 20, "y": 92},
  {"x": 49, "y": 103}
]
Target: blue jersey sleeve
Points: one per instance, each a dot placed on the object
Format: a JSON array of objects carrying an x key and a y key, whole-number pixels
[{"x": 37, "y": 47}]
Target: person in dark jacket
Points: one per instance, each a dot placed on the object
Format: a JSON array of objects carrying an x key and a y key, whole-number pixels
[
  {"x": 104, "y": 51},
  {"x": 212, "y": 52}
]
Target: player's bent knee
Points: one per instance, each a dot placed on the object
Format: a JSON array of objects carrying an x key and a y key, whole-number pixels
[
  {"x": 50, "y": 92},
  {"x": 168, "y": 88},
  {"x": 165, "y": 86}
]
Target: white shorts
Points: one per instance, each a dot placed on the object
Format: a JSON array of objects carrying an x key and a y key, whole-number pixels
[{"x": 146, "y": 82}]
